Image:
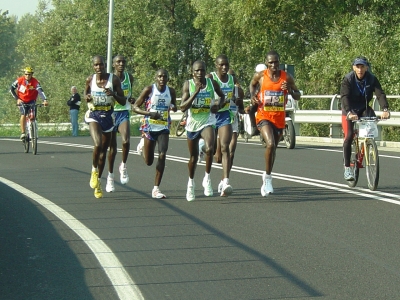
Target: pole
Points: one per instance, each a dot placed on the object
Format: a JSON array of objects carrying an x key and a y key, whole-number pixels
[{"x": 110, "y": 36}]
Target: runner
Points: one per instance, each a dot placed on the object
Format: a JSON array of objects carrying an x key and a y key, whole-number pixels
[
  {"x": 100, "y": 91},
  {"x": 158, "y": 100},
  {"x": 275, "y": 85},
  {"x": 236, "y": 107},
  {"x": 224, "y": 119},
  {"x": 198, "y": 98},
  {"x": 121, "y": 124}
]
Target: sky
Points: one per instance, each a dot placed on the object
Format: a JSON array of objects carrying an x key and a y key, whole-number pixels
[{"x": 18, "y": 7}]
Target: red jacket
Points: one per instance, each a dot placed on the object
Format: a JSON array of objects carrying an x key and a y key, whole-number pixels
[{"x": 27, "y": 91}]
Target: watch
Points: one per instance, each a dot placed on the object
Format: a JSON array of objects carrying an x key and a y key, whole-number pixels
[{"x": 385, "y": 110}]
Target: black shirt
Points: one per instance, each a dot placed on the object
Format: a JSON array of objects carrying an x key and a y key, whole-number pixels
[
  {"x": 74, "y": 102},
  {"x": 356, "y": 94}
]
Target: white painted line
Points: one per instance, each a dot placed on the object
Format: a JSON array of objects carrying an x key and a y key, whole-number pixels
[{"x": 115, "y": 271}]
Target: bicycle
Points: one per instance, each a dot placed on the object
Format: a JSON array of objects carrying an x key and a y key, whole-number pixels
[
  {"x": 364, "y": 146},
  {"x": 31, "y": 128}
]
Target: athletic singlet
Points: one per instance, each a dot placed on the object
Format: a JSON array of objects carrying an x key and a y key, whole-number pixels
[
  {"x": 199, "y": 114},
  {"x": 227, "y": 89},
  {"x": 98, "y": 95},
  {"x": 157, "y": 102},
  {"x": 273, "y": 100},
  {"x": 126, "y": 87}
]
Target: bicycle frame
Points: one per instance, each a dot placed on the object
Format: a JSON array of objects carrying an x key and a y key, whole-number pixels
[{"x": 365, "y": 147}]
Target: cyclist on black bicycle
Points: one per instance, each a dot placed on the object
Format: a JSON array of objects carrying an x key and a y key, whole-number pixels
[
  {"x": 25, "y": 90},
  {"x": 356, "y": 92}
]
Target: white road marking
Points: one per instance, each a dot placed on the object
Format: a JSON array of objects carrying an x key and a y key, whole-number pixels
[{"x": 119, "y": 277}]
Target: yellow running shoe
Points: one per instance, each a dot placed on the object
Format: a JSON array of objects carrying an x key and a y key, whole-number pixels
[
  {"x": 98, "y": 192},
  {"x": 94, "y": 179}
]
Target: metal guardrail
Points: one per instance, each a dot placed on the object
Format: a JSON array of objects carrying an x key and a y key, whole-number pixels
[{"x": 332, "y": 117}]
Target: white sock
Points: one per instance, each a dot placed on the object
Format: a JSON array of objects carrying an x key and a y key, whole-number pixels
[
  {"x": 111, "y": 175},
  {"x": 155, "y": 187},
  {"x": 191, "y": 181},
  {"x": 94, "y": 169},
  {"x": 207, "y": 175},
  {"x": 226, "y": 180}
]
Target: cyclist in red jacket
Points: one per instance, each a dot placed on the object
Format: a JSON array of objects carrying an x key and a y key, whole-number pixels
[{"x": 25, "y": 90}]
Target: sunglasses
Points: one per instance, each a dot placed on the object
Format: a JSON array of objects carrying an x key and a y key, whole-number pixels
[{"x": 29, "y": 74}]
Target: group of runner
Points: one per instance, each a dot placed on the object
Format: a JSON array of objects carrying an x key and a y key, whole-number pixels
[{"x": 212, "y": 103}]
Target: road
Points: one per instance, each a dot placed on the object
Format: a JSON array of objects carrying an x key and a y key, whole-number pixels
[{"x": 313, "y": 238}]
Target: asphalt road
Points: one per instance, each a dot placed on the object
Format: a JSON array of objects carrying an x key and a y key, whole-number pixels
[{"x": 313, "y": 238}]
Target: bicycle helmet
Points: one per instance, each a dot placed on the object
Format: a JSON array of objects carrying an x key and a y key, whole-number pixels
[{"x": 28, "y": 70}]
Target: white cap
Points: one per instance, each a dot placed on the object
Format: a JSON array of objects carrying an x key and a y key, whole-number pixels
[{"x": 261, "y": 67}]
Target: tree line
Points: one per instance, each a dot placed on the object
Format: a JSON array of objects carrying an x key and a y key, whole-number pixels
[{"x": 319, "y": 37}]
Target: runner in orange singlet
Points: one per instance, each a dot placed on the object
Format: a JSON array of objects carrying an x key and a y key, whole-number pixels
[{"x": 275, "y": 86}]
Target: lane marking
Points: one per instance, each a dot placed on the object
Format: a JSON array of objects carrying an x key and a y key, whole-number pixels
[
  {"x": 115, "y": 271},
  {"x": 377, "y": 195}
]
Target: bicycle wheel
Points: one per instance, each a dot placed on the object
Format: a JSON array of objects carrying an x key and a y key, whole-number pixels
[
  {"x": 354, "y": 164},
  {"x": 372, "y": 164},
  {"x": 180, "y": 128},
  {"x": 289, "y": 135},
  {"x": 26, "y": 139},
  {"x": 34, "y": 137}
]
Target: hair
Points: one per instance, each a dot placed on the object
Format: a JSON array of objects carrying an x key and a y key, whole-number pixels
[
  {"x": 73, "y": 87},
  {"x": 162, "y": 70},
  {"x": 222, "y": 56},
  {"x": 98, "y": 57},
  {"x": 199, "y": 62},
  {"x": 118, "y": 55},
  {"x": 274, "y": 53}
]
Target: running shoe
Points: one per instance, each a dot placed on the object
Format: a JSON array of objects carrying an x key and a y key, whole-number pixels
[
  {"x": 348, "y": 174},
  {"x": 266, "y": 188},
  {"x": 110, "y": 183},
  {"x": 22, "y": 137},
  {"x": 98, "y": 192},
  {"x": 226, "y": 190},
  {"x": 156, "y": 194},
  {"x": 208, "y": 190},
  {"x": 124, "y": 177},
  {"x": 220, "y": 185},
  {"x": 94, "y": 179},
  {"x": 190, "y": 195}
]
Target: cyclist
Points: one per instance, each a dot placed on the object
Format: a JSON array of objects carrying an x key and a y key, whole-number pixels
[
  {"x": 356, "y": 92},
  {"x": 158, "y": 100},
  {"x": 122, "y": 125},
  {"x": 275, "y": 85},
  {"x": 25, "y": 90}
]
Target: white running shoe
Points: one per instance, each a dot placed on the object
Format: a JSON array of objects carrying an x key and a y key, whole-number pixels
[
  {"x": 156, "y": 194},
  {"x": 124, "y": 177},
  {"x": 220, "y": 185},
  {"x": 190, "y": 195},
  {"x": 139, "y": 147},
  {"x": 348, "y": 174},
  {"x": 208, "y": 190},
  {"x": 266, "y": 188},
  {"x": 110, "y": 184},
  {"x": 226, "y": 190}
]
